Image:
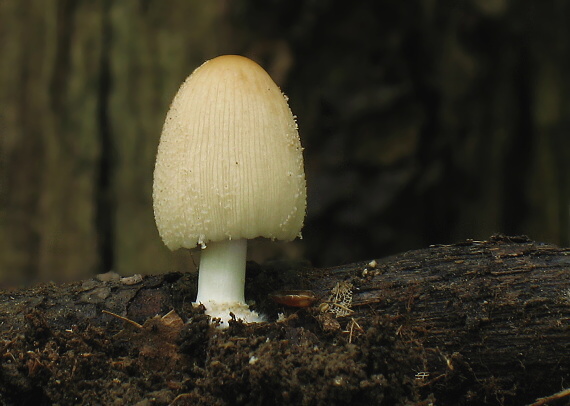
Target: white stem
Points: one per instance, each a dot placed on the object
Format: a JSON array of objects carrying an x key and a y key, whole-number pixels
[{"x": 221, "y": 277}]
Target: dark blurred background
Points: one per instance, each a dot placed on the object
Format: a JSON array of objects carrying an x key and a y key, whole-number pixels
[{"x": 423, "y": 122}]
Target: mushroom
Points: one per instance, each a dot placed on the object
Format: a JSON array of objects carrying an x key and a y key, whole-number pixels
[{"x": 229, "y": 168}]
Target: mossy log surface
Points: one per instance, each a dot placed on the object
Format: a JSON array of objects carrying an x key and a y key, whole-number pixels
[{"x": 479, "y": 322}]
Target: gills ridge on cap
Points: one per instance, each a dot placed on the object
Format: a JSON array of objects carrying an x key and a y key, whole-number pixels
[{"x": 229, "y": 162}]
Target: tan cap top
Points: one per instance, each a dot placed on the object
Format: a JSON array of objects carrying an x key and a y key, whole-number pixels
[{"x": 230, "y": 162}]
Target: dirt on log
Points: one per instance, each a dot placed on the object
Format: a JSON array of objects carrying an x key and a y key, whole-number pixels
[{"x": 474, "y": 323}]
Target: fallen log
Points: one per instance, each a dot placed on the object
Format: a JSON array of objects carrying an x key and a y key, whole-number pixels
[{"x": 479, "y": 322}]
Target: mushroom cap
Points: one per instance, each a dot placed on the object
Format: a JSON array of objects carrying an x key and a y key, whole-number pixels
[{"x": 229, "y": 162}]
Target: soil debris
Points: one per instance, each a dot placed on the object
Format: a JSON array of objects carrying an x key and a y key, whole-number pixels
[{"x": 168, "y": 361}]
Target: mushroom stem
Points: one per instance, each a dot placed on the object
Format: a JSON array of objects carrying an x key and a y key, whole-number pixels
[{"x": 222, "y": 272}]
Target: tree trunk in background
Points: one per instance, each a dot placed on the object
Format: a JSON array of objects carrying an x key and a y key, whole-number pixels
[
  {"x": 84, "y": 88},
  {"x": 432, "y": 121},
  {"x": 51, "y": 148},
  {"x": 422, "y": 121}
]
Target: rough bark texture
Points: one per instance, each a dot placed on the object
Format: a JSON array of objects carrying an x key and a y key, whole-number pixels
[{"x": 481, "y": 322}]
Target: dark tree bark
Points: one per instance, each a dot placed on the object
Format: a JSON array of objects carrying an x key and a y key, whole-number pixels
[{"x": 485, "y": 322}]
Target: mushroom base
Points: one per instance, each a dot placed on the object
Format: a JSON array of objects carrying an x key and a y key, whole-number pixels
[
  {"x": 240, "y": 311},
  {"x": 221, "y": 281}
]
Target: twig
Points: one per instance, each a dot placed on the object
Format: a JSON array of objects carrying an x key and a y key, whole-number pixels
[
  {"x": 134, "y": 323},
  {"x": 548, "y": 399}
]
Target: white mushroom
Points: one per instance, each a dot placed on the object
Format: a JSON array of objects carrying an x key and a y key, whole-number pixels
[{"x": 229, "y": 168}]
